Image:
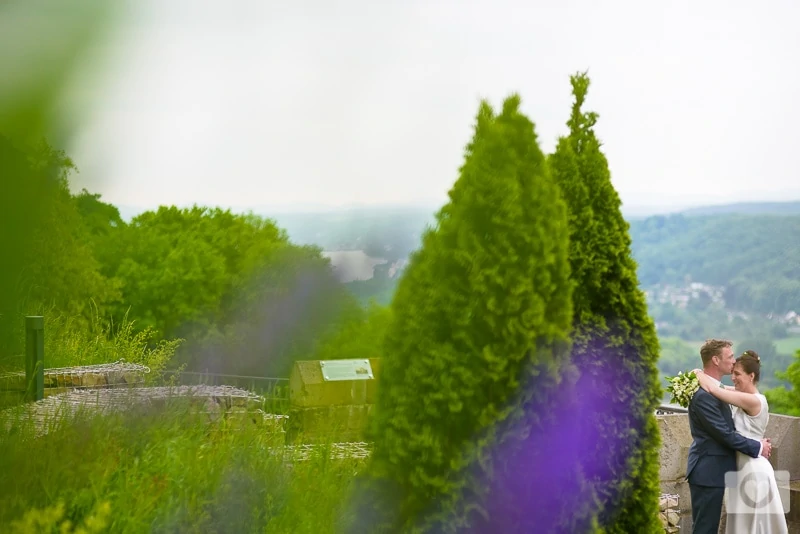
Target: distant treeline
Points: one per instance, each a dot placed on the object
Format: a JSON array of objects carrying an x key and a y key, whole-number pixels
[
  {"x": 755, "y": 257},
  {"x": 246, "y": 300}
]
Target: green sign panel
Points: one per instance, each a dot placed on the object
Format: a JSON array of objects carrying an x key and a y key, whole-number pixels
[{"x": 333, "y": 370}]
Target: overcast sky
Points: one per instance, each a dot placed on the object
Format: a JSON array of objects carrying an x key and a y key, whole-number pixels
[{"x": 256, "y": 102}]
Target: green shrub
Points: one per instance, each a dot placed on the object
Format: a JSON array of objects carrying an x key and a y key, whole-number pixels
[
  {"x": 37, "y": 520},
  {"x": 615, "y": 344},
  {"x": 481, "y": 314},
  {"x": 787, "y": 401},
  {"x": 69, "y": 342}
]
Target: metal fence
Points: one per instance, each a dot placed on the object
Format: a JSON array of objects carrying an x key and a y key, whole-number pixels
[
  {"x": 666, "y": 409},
  {"x": 275, "y": 390}
]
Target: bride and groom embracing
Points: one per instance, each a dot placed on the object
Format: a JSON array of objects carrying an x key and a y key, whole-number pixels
[{"x": 729, "y": 447}]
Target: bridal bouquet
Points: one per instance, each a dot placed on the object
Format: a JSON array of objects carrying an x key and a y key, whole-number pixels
[{"x": 682, "y": 387}]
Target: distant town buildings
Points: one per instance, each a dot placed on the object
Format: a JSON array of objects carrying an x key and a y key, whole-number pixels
[{"x": 680, "y": 295}]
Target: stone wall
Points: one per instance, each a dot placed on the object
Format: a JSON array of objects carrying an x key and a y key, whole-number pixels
[
  {"x": 669, "y": 513},
  {"x": 784, "y": 431},
  {"x": 59, "y": 380}
]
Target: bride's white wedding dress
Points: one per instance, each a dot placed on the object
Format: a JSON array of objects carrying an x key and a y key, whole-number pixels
[{"x": 762, "y": 488}]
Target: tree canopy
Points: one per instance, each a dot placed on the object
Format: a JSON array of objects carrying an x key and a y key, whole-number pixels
[
  {"x": 47, "y": 261},
  {"x": 246, "y": 299},
  {"x": 787, "y": 400}
]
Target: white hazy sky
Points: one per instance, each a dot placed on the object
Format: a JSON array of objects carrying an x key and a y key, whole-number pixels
[{"x": 257, "y": 102}]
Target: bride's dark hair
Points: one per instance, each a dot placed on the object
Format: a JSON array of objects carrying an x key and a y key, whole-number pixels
[{"x": 751, "y": 363}]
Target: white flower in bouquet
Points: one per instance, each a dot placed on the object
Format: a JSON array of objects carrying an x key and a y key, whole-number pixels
[{"x": 682, "y": 387}]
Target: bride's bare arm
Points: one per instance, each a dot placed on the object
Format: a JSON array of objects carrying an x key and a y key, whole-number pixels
[{"x": 746, "y": 401}]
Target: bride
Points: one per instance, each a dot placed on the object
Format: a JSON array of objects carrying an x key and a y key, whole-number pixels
[{"x": 750, "y": 416}]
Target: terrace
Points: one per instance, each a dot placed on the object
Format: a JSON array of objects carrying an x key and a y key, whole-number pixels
[{"x": 676, "y": 440}]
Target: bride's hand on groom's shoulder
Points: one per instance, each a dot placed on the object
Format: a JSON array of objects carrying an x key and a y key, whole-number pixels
[{"x": 702, "y": 378}]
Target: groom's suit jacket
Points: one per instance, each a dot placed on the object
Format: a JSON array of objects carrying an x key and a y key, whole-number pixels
[{"x": 712, "y": 452}]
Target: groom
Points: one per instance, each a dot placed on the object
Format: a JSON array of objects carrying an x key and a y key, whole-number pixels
[{"x": 713, "y": 450}]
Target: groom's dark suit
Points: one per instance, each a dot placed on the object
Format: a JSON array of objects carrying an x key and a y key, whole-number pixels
[{"x": 712, "y": 454}]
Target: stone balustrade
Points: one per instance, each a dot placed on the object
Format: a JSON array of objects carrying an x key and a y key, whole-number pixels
[
  {"x": 784, "y": 431},
  {"x": 59, "y": 380}
]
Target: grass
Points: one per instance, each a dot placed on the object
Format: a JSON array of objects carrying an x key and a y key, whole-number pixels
[{"x": 170, "y": 470}]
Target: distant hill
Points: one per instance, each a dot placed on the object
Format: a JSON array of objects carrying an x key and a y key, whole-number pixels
[
  {"x": 750, "y": 248},
  {"x": 746, "y": 248},
  {"x": 306, "y": 216},
  {"x": 755, "y": 257},
  {"x": 747, "y": 208},
  {"x": 389, "y": 233},
  {"x": 640, "y": 212}
]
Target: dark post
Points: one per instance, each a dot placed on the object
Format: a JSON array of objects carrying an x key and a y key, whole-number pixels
[{"x": 34, "y": 357}]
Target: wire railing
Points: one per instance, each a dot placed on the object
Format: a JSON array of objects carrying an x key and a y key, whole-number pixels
[
  {"x": 667, "y": 409},
  {"x": 275, "y": 390}
]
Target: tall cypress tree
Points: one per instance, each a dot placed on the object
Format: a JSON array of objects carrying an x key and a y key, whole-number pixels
[
  {"x": 483, "y": 310},
  {"x": 615, "y": 345}
]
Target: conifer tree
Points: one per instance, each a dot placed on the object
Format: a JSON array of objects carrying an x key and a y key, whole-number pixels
[
  {"x": 615, "y": 347},
  {"x": 483, "y": 310}
]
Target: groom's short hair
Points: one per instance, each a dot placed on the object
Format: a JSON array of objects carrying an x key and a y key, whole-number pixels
[{"x": 713, "y": 347}]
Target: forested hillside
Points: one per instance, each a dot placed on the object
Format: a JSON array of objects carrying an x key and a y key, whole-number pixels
[
  {"x": 748, "y": 208},
  {"x": 755, "y": 258},
  {"x": 733, "y": 274}
]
